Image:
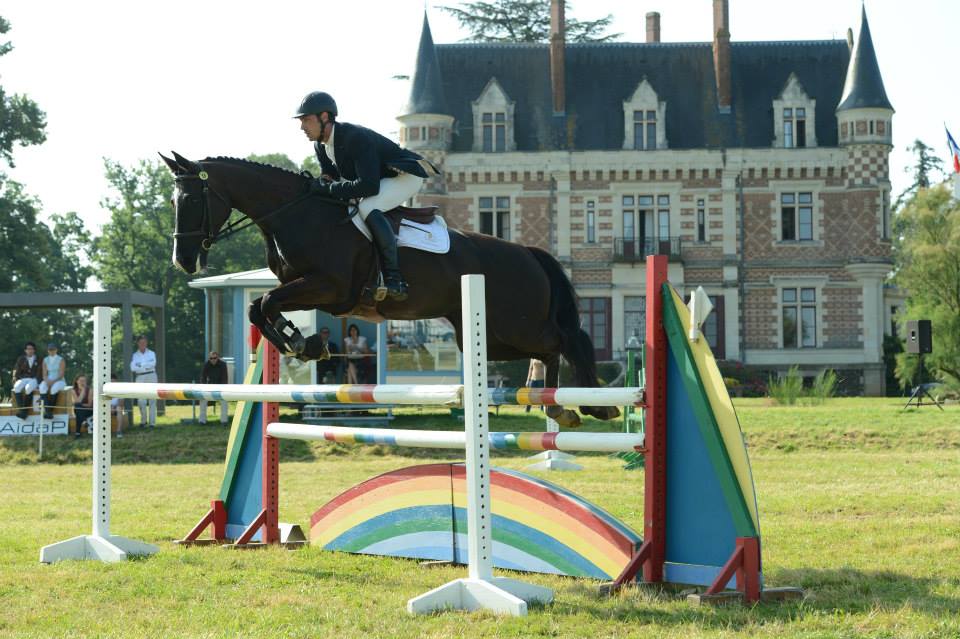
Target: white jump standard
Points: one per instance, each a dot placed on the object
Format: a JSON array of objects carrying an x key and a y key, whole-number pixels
[{"x": 100, "y": 544}]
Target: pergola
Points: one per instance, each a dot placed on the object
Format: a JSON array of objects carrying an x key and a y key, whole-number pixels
[{"x": 124, "y": 300}]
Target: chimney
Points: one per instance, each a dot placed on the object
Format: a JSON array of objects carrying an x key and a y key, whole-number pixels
[
  {"x": 558, "y": 43},
  {"x": 653, "y": 26},
  {"x": 721, "y": 52}
]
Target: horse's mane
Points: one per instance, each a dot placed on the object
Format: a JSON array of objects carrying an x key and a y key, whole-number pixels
[{"x": 252, "y": 163}]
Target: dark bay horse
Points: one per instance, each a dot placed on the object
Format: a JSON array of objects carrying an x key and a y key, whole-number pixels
[{"x": 323, "y": 262}]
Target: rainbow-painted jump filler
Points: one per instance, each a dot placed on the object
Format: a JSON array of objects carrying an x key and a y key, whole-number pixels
[{"x": 700, "y": 511}]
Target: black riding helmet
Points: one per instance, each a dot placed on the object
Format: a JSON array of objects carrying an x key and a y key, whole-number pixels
[{"x": 317, "y": 102}]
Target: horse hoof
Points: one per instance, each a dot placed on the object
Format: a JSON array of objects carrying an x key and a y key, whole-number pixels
[
  {"x": 601, "y": 412},
  {"x": 567, "y": 419},
  {"x": 313, "y": 349},
  {"x": 297, "y": 344}
]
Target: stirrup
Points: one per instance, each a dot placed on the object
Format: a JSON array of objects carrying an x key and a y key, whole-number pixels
[{"x": 396, "y": 287}]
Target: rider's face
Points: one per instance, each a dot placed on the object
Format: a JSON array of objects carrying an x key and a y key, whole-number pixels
[{"x": 311, "y": 127}]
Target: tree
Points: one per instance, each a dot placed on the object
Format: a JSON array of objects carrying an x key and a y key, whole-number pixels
[
  {"x": 524, "y": 21},
  {"x": 21, "y": 120},
  {"x": 926, "y": 165},
  {"x": 927, "y": 253},
  {"x": 35, "y": 255}
]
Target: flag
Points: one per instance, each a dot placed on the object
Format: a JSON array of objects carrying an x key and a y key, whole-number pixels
[{"x": 954, "y": 151}]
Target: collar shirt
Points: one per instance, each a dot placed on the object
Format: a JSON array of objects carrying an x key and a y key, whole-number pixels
[
  {"x": 328, "y": 145},
  {"x": 52, "y": 363},
  {"x": 31, "y": 359},
  {"x": 143, "y": 363}
]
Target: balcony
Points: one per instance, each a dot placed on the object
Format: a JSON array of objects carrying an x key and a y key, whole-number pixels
[{"x": 636, "y": 250}]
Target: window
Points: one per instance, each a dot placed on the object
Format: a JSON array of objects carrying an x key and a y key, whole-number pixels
[
  {"x": 591, "y": 222},
  {"x": 701, "y": 221},
  {"x": 646, "y": 226},
  {"x": 799, "y": 308},
  {"x": 663, "y": 217},
  {"x": 494, "y": 132},
  {"x": 796, "y": 217},
  {"x": 595, "y": 319},
  {"x": 885, "y": 215},
  {"x": 634, "y": 316},
  {"x": 495, "y": 216},
  {"x": 795, "y": 127},
  {"x": 644, "y": 130}
]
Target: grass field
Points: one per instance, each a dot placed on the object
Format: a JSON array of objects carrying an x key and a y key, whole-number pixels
[{"x": 859, "y": 503}]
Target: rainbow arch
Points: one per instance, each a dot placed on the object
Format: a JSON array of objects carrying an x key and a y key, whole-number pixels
[{"x": 420, "y": 512}]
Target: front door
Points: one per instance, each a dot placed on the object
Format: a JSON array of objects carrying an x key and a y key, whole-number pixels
[{"x": 595, "y": 319}]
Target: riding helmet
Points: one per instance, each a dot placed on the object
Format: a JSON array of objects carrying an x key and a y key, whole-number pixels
[{"x": 317, "y": 102}]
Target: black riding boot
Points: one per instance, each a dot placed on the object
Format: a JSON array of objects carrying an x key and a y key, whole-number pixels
[
  {"x": 51, "y": 401},
  {"x": 386, "y": 243},
  {"x": 21, "y": 399}
]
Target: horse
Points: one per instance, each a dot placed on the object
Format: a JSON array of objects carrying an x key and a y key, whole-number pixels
[{"x": 323, "y": 262}]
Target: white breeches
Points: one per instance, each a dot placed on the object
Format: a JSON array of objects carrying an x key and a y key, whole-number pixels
[
  {"x": 142, "y": 403},
  {"x": 393, "y": 192},
  {"x": 26, "y": 385},
  {"x": 56, "y": 387}
]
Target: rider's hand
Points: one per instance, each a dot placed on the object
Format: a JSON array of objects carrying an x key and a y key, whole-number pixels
[{"x": 319, "y": 187}]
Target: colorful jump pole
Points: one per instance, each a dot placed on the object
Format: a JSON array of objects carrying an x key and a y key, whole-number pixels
[{"x": 456, "y": 440}]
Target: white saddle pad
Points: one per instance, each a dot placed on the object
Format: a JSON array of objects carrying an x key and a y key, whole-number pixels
[{"x": 432, "y": 238}]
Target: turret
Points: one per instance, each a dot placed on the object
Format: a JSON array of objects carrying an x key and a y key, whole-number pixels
[
  {"x": 864, "y": 114},
  {"x": 425, "y": 124}
]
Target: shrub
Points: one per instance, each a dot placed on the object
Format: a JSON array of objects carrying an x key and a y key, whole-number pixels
[
  {"x": 786, "y": 390},
  {"x": 824, "y": 386}
]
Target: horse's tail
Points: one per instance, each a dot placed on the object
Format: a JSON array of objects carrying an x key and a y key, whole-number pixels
[{"x": 575, "y": 345}]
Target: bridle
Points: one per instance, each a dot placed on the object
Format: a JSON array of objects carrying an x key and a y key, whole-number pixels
[{"x": 211, "y": 235}]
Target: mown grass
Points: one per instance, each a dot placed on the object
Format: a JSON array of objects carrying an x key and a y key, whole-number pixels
[{"x": 859, "y": 505}]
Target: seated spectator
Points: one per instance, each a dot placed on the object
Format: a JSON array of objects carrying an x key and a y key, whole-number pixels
[
  {"x": 327, "y": 367},
  {"x": 26, "y": 378},
  {"x": 54, "y": 368},
  {"x": 356, "y": 348},
  {"x": 82, "y": 403}
]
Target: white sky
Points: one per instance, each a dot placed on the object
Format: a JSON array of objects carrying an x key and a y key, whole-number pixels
[{"x": 125, "y": 79}]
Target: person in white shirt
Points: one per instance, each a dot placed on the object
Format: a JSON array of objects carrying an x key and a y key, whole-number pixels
[
  {"x": 54, "y": 368},
  {"x": 144, "y": 368}
]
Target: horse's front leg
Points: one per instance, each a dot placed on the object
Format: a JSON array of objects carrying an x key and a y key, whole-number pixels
[
  {"x": 304, "y": 293},
  {"x": 265, "y": 326}
]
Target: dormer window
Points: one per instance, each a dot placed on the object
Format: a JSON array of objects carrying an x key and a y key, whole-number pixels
[
  {"x": 494, "y": 132},
  {"x": 493, "y": 120},
  {"x": 794, "y": 127},
  {"x": 644, "y": 118},
  {"x": 793, "y": 115}
]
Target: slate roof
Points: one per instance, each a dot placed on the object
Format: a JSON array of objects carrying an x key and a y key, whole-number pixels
[
  {"x": 426, "y": 90},
  {"x": 601, "y": 76},
  {"x": 864, "y": 85}
]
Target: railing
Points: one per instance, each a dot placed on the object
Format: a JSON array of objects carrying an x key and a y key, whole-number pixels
[{"x": 636, "y": 250}]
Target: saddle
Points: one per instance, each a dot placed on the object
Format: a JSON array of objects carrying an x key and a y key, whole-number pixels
[{"x": 397, "y": 215}]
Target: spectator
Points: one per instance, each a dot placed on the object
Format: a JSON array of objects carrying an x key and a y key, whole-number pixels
[
  {"x": 144, "y": 367},
  {"x": 356, "y": 347},
  {"x": 535, "y": 377},
  {"x": 327, "y": 368},
  {"x": 82, "y": 403},
  {"x": 54, "y": 368},
  {"x": 26, "y": 376},
  {"x": 214, "y": 371}
]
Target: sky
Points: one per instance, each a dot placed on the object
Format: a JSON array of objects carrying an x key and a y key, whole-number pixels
[{"x": 126, "y": 79}]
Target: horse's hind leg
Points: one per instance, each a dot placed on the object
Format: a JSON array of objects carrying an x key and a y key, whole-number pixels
[
  {"x": 563, "y": 416},
  {"x": 579, "y": 352}
]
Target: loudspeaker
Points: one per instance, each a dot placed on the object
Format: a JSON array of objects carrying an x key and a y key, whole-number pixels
[{"x": 919, "y": 337}]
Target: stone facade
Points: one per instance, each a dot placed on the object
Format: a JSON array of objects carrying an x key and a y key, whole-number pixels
[{"x": 801, "y": 284}]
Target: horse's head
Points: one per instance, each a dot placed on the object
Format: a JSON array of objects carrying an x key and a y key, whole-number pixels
[{"x": 200, "y": 211}]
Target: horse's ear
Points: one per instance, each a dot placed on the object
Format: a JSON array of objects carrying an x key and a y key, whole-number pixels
[
  {"x": 187, "y": 165},
  {"x": 172, "y": 164}
]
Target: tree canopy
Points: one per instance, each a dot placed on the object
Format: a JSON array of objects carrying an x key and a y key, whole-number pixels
[
  {"x": 524, "y": 21},
  {"x": 926, "y": 167},
  {"x": 927, "y": 250}
]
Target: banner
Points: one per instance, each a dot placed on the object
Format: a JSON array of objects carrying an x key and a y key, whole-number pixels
[{"x": 11, "y": 425}]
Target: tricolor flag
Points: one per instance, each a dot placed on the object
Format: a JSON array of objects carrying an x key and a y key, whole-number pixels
[{"x": 954, "y": 151}]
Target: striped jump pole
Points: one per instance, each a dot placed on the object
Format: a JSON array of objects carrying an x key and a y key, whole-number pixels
[
  {"x": 100, "y": 544},
  {"x": 456, "y": 440}
]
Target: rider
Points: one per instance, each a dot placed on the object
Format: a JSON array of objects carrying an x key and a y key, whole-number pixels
[{"x": 358, "y": 163}]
